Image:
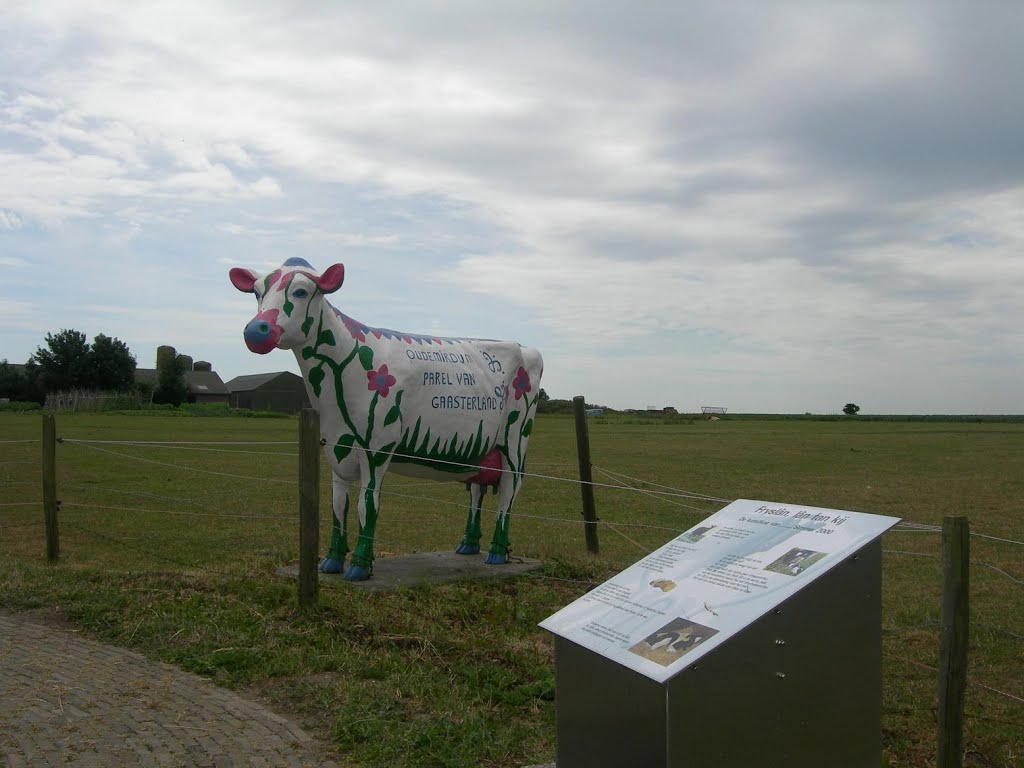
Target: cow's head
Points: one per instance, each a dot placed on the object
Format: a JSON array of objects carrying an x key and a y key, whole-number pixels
[{"x": 285, "y": 297}]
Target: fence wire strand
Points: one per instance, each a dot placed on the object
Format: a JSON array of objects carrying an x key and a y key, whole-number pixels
[
  {"x": 246, "y": 516},
  {"x": 659, "y": 495},
  {"x": 996, "y": 538},
  {"x": 178, "y": 442},
  {"x": 93, "y": 443},
  {"x": 970, "y": 681},
  {"x": 677, "y": 491},
  {"x": 936, "y": 555},
  {"x": 178, "y": 466}
]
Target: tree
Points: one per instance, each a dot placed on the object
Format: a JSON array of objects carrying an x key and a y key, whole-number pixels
[
  {"x": 851, "y": 409},
  {"x": 21, "y": 385},
  {"x": 170, "y": 382},
  {"x": 31, "y": 384},
  {"x": 63, "y": 364},
  {"x": 68, "y": 362},
  {"x": 12, "y": 382},
  {"x": 110, "y": 365}
]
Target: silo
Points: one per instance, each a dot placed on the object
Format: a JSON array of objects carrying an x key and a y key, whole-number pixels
[{"x": 164, "y": 355}]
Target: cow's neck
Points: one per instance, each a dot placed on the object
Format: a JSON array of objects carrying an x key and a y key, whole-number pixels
[{"x": 327, "y": 354}]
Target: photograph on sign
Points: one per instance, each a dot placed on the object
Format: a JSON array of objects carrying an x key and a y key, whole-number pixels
[
  {"x": 671, "y": 642},
  {"x": 795, "y": 562},
  {"x": 692, "y": 594}
]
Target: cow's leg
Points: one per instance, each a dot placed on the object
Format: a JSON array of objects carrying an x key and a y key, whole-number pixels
[
  {"x": 508, "y": 489},
  {"x": 335, "y": 560},
  {"x": 470, "y": 544},
  {"x": 360, "y": 565}
]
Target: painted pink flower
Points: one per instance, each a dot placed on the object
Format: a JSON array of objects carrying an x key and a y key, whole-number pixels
[
  {"x": 521, "y": 383},
  {"x": 357, "y": 329},
  {"x": 380, "y": 381}
]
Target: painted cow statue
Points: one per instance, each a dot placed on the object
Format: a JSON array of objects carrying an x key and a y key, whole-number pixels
[{"x": 425, "y": 406}]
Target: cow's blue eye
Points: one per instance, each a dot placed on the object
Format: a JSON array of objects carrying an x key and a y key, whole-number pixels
[{"x": 300, "y": 293}]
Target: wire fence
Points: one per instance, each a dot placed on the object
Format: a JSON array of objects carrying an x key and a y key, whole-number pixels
[
  {"x": 232, "y": 497},
  {"x": 695, "y": 502}
]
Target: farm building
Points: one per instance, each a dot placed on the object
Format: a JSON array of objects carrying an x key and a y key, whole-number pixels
[
  {"x": 204, "y": 386},
  {"x": 668, "y": 410},
  {"x": 283, "y": 392}
]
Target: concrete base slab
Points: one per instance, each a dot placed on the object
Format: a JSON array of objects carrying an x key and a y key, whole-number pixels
[{"x": 424, "y": 568}]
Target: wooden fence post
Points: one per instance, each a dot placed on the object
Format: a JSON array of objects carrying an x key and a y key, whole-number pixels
[
  {"x": 586, "y": 478},
  {"x": 50, "y": 487},
  {"x": 953, "y": 639},
  {"x": 309, "y": 506}
]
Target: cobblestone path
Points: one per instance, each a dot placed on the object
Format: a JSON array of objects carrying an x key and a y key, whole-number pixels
[{"x": 67, "y": 701}]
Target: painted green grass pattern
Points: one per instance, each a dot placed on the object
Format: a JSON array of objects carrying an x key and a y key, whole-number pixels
[
  {"x": 455, "y": 455},
  {"x": 172, "y": 551}
]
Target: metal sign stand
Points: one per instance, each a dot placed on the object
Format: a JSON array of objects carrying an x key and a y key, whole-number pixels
[{"x": 799, "y": 687}]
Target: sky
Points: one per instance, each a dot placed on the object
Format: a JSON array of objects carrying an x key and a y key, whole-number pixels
[{"x": 769, "y": 207}]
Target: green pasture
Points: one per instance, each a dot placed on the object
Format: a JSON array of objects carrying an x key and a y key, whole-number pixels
[{"x": 172, "y": 550}]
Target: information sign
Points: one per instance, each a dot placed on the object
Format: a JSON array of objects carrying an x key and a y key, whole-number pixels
[{"x": 688, "y": 597}]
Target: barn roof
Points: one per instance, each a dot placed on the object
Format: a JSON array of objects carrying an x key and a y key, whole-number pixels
[
  {"x": 255, "y": 380},
  {"x": 198, "y": 382},
  {"x": 205, "y": 383}
]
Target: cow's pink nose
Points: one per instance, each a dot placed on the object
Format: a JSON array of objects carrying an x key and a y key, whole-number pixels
[{"x": 262, "y": 332}]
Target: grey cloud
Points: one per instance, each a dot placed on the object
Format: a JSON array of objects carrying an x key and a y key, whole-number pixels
[
  {"x": 836, "y": 160},
  {"x": 954, "y": 122}
]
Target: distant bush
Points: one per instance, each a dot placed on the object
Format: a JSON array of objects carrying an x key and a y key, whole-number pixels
[
  {"x": 247, "y": 413},
  {"x": 206, "y": 409},
  {"x": 15, "y": 406},
  {"x": 922, "y": 418},
  {"x": 566, "y": 406},
  {"x": 223, "y": 409},
  {"x": 93, "y": 400},
  {"x": 200, "y": 410},
  {"x": 555, "y": 406}
]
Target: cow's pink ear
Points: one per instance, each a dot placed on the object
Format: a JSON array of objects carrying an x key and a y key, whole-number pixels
[
  {"x": 331, "y": 278},
  {"x": 243, "y": 279}
]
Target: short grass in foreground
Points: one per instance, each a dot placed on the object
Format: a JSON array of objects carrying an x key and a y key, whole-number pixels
[{"x": 172, "y": 551}]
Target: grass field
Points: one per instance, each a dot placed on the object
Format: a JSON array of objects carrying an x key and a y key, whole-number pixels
[{"x": 172, "y": 551}]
